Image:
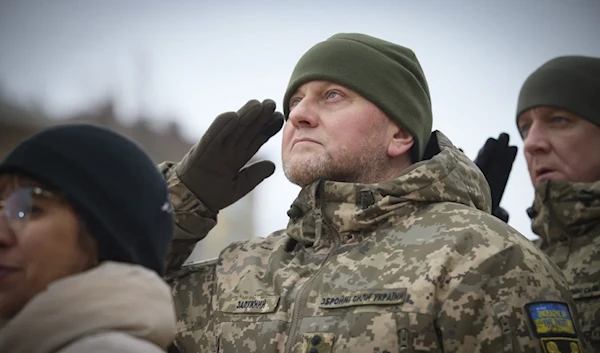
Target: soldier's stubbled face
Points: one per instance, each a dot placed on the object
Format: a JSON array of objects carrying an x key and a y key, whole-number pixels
[
  {"x": 560, "y": 146},
  {"x": 45, "y": 245},
  {"x": 334, "y": 133}
]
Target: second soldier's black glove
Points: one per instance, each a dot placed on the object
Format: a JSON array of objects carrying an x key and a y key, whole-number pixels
[
  {"x": 215, "y": 168},
  {"x": 495, "y": 159}
]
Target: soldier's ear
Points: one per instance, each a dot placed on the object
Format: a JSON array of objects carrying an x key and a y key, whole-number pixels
[{"x": 400, "y": 143}]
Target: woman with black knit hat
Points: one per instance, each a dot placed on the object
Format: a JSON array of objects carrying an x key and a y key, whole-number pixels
[
  {"x": 558, "y": 116},
  {"x": 85, "y": 225}
]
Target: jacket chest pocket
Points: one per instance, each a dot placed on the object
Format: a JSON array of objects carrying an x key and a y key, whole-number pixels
[
  {"x": 248, "y": 324},
  {"x": 364, "y": 322},
  {"x": 352, "y": 332},
  {"x": 587, "y": 300}
]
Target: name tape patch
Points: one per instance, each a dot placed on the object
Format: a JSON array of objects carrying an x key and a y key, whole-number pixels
[
  {"x": 551, "y": 319},
  {"x": 583, "y": 292},
  {"x": 365, "y": 297},
  {"x": 258, "y": 304}
]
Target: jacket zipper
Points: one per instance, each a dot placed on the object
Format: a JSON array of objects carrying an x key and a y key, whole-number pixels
[{"x": 301, "y": 297}]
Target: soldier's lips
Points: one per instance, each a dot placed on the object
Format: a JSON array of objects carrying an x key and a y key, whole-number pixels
[
  {"x": 303, "y": 141},
  {"x": 547, "y": 175}
]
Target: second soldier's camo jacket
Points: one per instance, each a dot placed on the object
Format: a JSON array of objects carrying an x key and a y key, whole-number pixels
[
  {"x": 567, "y": 218},
  {"x": 415, "y": 264}
]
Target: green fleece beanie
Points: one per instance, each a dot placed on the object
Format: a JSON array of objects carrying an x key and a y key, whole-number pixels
[
  {"x": 386, "y": 74},
  {"x": 567, "y": 82}
]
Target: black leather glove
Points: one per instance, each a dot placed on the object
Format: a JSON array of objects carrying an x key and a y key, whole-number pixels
[
  {"x": 214, "y": 168},
  {"x": 495, "y": 159},
  {"x": 501, "y": 213}
]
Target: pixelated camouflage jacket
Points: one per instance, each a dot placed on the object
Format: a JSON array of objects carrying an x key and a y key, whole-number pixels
[
  {"x": 416, "y": 264},
  {"x": 567, "y": 218}
]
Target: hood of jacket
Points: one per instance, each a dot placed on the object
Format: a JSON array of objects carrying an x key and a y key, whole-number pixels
[{"x": 447, "y": 176}]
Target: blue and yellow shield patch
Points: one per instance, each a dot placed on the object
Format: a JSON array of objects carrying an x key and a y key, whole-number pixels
[{"x": 553, "y": 324}]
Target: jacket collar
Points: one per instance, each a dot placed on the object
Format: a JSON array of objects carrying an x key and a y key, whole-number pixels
[
  {"x": 111, "y": 297},
  {"x": 563, "y": 210},
  {"x": 448, "y": 176}
]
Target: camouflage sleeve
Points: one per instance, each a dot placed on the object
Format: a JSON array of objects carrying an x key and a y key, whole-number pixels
[
  {"x": 193, "y": 220},
  {"x": 192, "y": 288},
  {"x": 514, "y": 301}
]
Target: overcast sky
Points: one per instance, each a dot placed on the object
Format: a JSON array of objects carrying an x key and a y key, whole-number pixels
[{"x": 191, "y": 60}]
